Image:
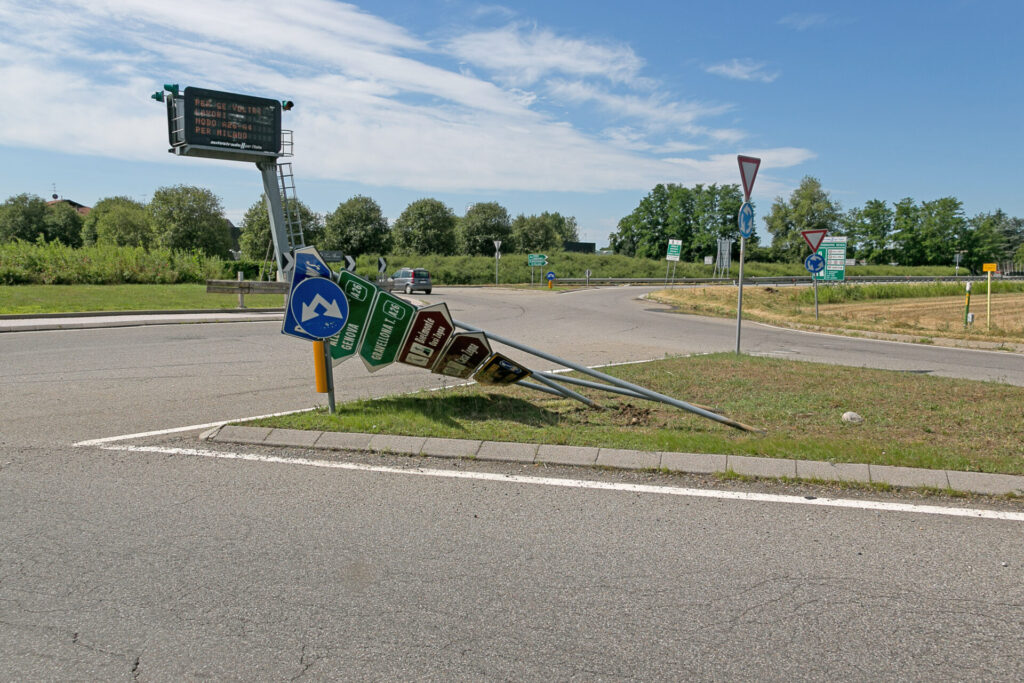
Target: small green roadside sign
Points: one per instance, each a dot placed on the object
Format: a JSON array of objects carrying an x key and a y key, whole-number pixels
[
  {"x": 536, "y": 260},
  {"x": 359, "y": 293},
  {"x": 385, "y": 330},
  {"x": 675, "y": 248},
  {"x": 833, "y": 250}
]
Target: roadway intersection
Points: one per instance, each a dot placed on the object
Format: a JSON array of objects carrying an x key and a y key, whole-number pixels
[{"x": 125, "y": 564}]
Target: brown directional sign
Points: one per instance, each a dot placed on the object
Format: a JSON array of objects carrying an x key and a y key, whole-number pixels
[
  {"x": 430, "y": 330},
  {"x": 500, "y": 370},
  {"x": 464, "y": 353}
]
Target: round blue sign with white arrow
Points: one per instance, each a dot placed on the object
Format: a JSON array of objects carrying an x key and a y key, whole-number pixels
[
  {"x": 319, "y": 306},
  {"x": 814, "y": 263},
  {"x": 746, "y": 220},
  {"x": 551, "y": 275}
]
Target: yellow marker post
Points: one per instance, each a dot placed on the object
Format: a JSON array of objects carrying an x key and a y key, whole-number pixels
[
  {"x": 967, "y": 306},
  {"x": 988, "y": 268},
  {"x": 320, "y": 367},
  {"x": 323, "y": 371}
]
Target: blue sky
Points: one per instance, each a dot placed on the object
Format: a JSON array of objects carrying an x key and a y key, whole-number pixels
[{"x": 574, "y": 107}]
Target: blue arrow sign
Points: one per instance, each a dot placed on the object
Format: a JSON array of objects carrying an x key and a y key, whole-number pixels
[
  {"x": 308, "y": 264},
  {"x": 320, "y": 307},
  {"x": 551, "y": 275},
  {"x": 814, "y": 263},
  {"x": 746, "y": 219}
]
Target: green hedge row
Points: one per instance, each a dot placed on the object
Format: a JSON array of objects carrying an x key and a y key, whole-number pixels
[
  {"x": 54, "y": 263},
  {"x": 513, "y": 268}
]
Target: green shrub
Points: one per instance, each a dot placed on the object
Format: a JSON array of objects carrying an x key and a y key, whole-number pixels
[{"x": 55, "y": 263}]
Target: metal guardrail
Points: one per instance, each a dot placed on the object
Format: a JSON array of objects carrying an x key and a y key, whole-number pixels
[
  {"x": 245, "y": 287},
  {"x": 779, "y": 279}
]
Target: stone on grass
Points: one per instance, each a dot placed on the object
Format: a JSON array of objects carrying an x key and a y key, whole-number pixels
[{"x": 852, "y": 417}]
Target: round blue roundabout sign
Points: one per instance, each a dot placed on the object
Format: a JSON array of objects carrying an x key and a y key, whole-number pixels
[
  {"x": 320, "y": 307},
  {"x": 814, "y": 263}
]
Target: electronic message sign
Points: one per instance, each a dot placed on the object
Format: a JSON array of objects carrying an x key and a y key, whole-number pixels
[{"x": 214, "y": 120}]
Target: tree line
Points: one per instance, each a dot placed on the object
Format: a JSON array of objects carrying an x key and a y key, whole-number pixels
[
  {"x": 192, "y": 218},
  {"x": 910, "y": 233}
]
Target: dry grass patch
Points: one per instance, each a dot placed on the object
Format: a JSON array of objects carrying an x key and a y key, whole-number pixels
[{"x": 928, "y": 316}]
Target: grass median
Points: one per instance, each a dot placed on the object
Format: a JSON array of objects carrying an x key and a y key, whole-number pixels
[
  {"x": 909, "y": 419},
  {"x": 32, "y": 299}
]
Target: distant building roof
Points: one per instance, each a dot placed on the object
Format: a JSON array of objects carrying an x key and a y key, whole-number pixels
[{"x": 80, "y": 208}]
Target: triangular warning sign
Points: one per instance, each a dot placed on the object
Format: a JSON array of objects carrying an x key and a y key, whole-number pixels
[
  {"x": 748, "y": 171},
  {"x": 814, "y": 238}
]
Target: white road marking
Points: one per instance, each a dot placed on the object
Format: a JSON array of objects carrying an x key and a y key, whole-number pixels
[
  {"x": 587, "y": 484},
  {"x": 176, "y": 430}
]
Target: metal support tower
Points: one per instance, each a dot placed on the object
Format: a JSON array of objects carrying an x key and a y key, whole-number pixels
[{"x": 282, "y": 206}]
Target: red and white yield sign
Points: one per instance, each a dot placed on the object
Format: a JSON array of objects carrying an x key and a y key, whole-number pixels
[
  {"x": 748, "y": 171},
  {"x": 814, "y": 238}
]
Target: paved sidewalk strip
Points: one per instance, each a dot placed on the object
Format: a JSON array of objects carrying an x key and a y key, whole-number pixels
[{"x": 588, "y": 456}]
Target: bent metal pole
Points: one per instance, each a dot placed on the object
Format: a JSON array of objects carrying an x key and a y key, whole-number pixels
[{"x": 646, "y": 393}]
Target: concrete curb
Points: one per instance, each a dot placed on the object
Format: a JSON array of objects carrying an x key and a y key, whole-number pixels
[
  {"x": 690, "y": 463},
  {"x": 132, "y": 319}
]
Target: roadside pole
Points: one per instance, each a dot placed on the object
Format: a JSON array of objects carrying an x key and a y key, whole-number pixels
[
  {"x": 815, "y": 263},
  {"x": 324, "y": 371},
  {"x": 989, "y": 268},
  {"x": 967, "y": 305},
  {"x": 814, "y": 278},
  {"x": 497, "y": 257},
  {"x": 739, "y": 296},
  {"x": 745, "y": 220}
]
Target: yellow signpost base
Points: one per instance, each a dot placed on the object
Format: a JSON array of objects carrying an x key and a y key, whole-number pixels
[{"x": 320, "y": 367}]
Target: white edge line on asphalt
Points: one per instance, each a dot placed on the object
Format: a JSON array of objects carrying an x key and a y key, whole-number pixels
[
  {"x": 175, "y": 430},
  {"x": 211, "y": 425},
  {"x": 588, "y": 484}
]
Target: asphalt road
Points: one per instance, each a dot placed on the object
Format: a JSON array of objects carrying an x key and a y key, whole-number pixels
[{"x": 116, "y": 564}]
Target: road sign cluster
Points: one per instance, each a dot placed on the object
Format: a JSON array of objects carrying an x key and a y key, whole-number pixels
[{"x": 359, "y": 318}]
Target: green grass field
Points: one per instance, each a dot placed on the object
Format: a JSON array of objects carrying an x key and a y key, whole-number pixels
[{"x": 30, "y": 299}]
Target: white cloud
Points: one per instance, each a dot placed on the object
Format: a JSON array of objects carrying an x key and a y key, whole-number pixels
[
  {"x": 630, "y": 138},
  {"x": 801, "y": 21},
  {"x": 743, "y": 70},
  {"x": 520, "y": 56},
  {"x": 372, "y": 106},
  {"x": 656, "y": 111}
]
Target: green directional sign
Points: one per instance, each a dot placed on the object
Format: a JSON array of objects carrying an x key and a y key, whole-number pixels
[
  {"x": 833, "y": 250},
  {"x": 385, "y": 330},
  {"x": 675, "y": 247},
  {"x": 536, "y": 259},
  {"x": 359, "y": 293}
]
